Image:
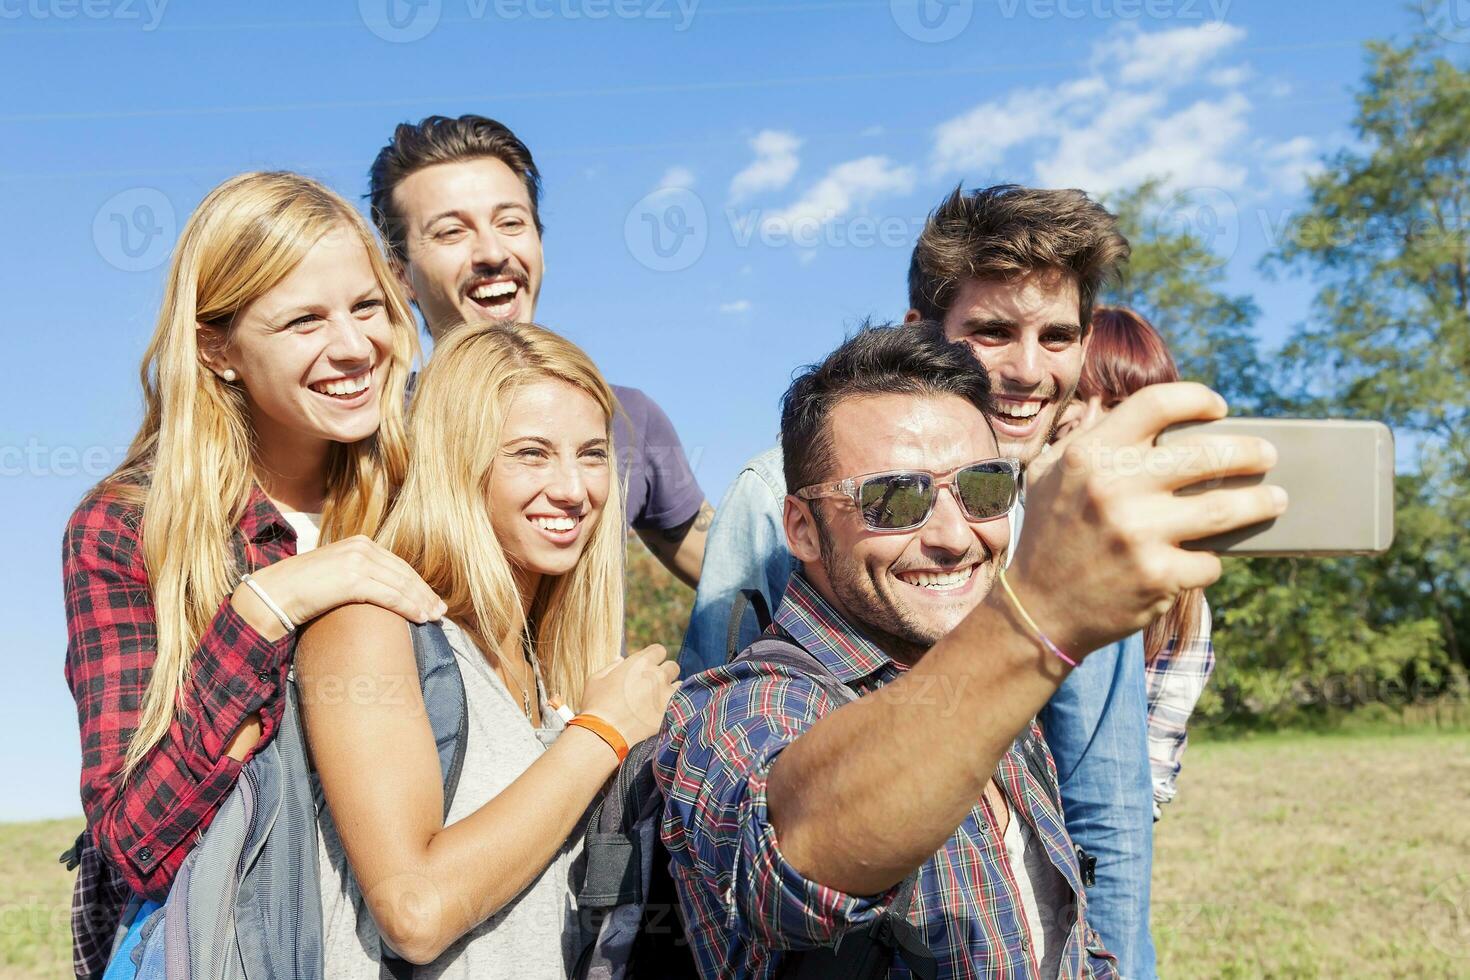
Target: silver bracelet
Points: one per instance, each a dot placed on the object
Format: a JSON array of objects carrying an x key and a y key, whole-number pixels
[{"x": 269, "y": 603}]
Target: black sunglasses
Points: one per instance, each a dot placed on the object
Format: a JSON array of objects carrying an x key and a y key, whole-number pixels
[{"x": 901, "y": 500}]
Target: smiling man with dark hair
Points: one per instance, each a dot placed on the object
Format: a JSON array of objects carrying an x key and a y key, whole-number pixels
[
  {"x": 822, "y": 802},
  {"x": 1011, "y": 272},
  {"x": 458, "y": 203}
]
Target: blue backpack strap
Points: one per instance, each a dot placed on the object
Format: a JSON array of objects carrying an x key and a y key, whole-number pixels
[{"x": 444, "y": 700}]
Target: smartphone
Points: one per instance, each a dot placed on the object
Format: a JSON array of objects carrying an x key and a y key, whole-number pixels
[{"x": 1338, "y": 474}]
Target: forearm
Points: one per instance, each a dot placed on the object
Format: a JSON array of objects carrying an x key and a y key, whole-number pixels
[
  {"x": 458, "y": 876},
  {"x": 145, "y": 823},
  {"x": 680, "y": 548},
  {"x": 874, "y": 789}
]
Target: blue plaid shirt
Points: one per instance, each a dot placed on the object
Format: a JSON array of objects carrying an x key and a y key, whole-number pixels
[{"x": 743, "y": 903}]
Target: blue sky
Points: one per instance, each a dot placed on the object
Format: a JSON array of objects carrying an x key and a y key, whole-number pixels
[{"x": 730, "y": 186}]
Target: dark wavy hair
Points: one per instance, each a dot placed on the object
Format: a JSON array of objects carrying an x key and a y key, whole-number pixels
[
  {"x": 440, "y": 139},
  {"x": 912, "y": 359},
  {"x": 1008, "y": 231}
]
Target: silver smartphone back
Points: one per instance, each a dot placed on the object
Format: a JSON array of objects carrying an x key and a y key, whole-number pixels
[{"x": 1338, "y": 474}]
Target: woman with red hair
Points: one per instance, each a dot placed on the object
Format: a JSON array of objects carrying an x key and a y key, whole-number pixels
[{"x": 1125, "y": 354}]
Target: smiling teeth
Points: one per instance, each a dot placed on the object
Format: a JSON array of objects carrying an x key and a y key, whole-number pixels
[
  {"x": 494, "y": 290},
  {"x": 939, "y": 580},
  {"x": 555, "y": 523},
  {"x": 344, "y": 386},
  {"x": 1018, "y": 410}
]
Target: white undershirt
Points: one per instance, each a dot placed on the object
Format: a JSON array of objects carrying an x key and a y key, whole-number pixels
[
  {"x": 308, "y": 528},
  {"x": 1045, "y": 896}
]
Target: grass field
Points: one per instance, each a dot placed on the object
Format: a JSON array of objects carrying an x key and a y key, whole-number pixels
[
  {"x": 1317, "y": 856},
  {"x": 1283, "y": 856}
]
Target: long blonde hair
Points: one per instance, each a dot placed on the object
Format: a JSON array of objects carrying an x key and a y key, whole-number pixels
[
  {"x": 190, "y": 467},
  {"x": 441, "y": 525}
]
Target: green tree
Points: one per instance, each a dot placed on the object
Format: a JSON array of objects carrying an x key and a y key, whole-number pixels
[
  {"x": 1174, "y": 278},
  {"x": 1386, "y": 235}
]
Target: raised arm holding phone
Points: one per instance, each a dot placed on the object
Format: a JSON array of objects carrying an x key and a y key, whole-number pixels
[
  {"x": 792, "y": 815},
  {"x": 1101, "y": 561}
]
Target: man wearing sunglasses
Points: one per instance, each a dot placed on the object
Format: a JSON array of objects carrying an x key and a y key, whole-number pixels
[
  {"x": 1012, "y": 272},
  {"x": 795, "y": 815}
]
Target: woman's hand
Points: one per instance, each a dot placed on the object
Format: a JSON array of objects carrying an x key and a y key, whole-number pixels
[
  {"x": 353, "y": 570},
  {"x": 632, "y": 694}
]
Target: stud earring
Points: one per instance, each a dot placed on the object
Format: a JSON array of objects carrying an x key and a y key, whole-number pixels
[{"x": 229, "y": 374}]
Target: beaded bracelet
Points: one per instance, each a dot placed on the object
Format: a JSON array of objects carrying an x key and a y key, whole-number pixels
[{"x": 1045, "y": 640}]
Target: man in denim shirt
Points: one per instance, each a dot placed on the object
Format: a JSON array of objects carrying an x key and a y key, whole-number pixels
[{"x": 1012, "y": 272}]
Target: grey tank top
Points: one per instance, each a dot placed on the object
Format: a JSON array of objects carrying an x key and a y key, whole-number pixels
[{"x": 533, "y": 936}]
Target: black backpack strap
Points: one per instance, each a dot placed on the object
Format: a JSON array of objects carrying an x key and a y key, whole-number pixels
[
  {"x": 448, "y": 710},
  {"x": 745, "y": 598},
  {"x": 867, "y": 954},
  {"x": 613, "y": 872},
  {"x": 72, "y": 856}
]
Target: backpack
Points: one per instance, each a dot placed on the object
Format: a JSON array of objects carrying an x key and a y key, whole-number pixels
[
  {"x": 245, "y": 904},
  {"x": 627, "y": 899}
]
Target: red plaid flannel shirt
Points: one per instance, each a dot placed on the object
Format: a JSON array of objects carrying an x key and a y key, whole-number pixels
[{"x": 146, "y": 826}]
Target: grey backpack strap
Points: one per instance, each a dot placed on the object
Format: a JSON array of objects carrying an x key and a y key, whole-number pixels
[
  {"x": 745, "y": 598},
  {"x": 444, "y": 700}
]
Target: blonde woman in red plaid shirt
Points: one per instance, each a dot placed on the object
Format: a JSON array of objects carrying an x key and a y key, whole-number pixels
[{"x": 273, "y": 416}]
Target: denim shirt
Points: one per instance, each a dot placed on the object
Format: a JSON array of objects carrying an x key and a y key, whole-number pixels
[
  {"x": 1096, "y": 725},
  {"x": 746, "y": 549}
]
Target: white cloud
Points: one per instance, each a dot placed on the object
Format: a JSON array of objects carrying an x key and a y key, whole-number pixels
[
  {"x": 1134, "y": 140},
  {"x": 979, "y": 139},
  {"x": 680, "y": 177},
  {"x": 1167, "y": 57},
  {"x": 1125, "y": 121},
  {"x": 846, "y": 186},
  {"x": 738, "y": 306},
  {"x": 774, "y": 165},
  {"x": 1232, "y": 77},
  {"x": 1288, "y": 164}
]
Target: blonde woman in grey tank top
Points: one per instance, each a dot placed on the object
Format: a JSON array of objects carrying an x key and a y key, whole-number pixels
[{"x": 509, "y": 512}]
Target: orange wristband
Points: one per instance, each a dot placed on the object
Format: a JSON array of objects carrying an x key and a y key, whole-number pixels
[{"x": 604, "y": 731}]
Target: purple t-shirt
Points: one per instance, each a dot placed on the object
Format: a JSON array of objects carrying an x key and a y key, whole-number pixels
[{"x": 660, "y": 486}]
